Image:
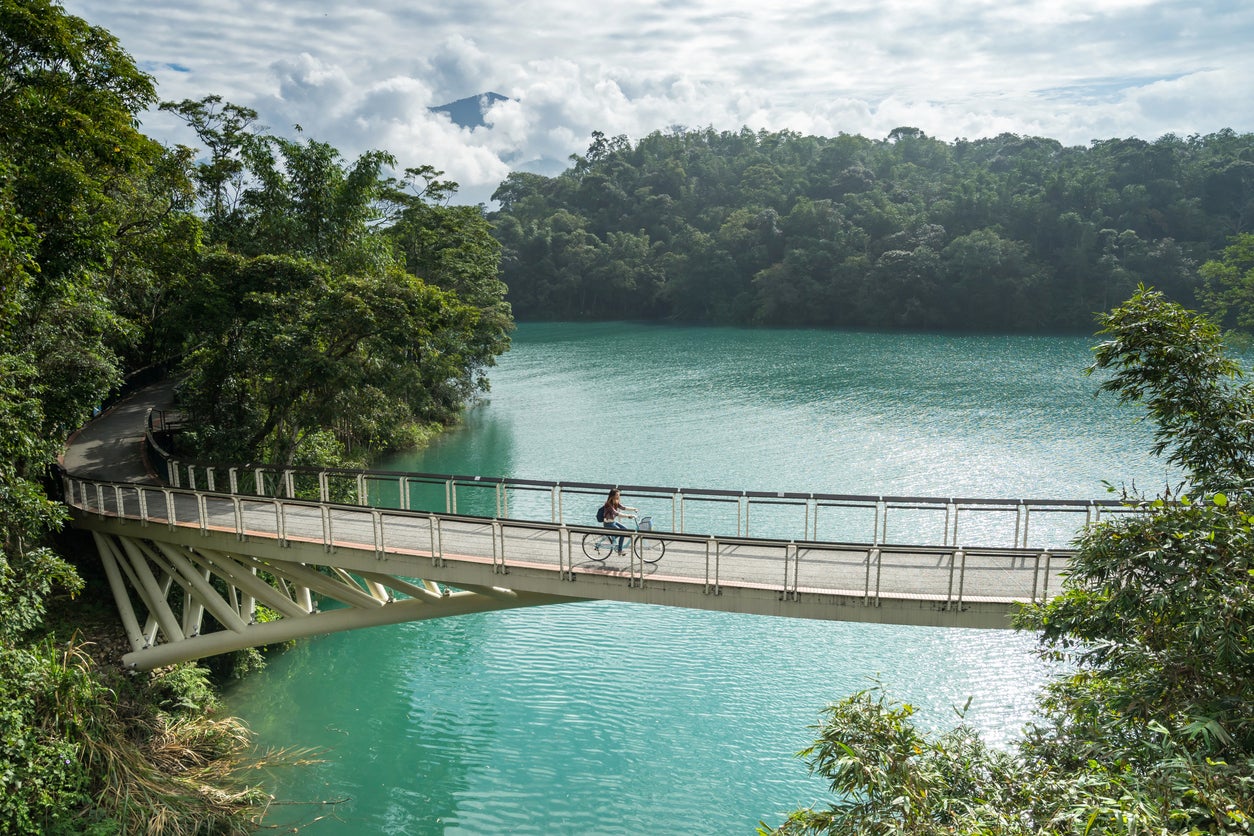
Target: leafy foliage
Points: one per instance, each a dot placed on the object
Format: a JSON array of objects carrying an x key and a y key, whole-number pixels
[
  {"x": 308, "y": 334},
  {"x": 1228, "y": 289},
  {"x": 1151, "y": 731},
  {"x": 298, "y": 323},
  {"x": 888, "y": 778},
  {"x": 1009, "y": 233},
  {"x": 1173, "y": 361}
]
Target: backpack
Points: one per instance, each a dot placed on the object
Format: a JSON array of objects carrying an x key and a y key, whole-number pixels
[{"x": 601, "y": 514}]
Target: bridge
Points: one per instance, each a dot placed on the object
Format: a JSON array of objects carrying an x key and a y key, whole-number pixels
[{"x": 203, "y": 560}]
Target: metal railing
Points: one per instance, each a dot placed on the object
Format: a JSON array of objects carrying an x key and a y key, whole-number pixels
[
  {"x": 947, "y": 575},
  {"x": 950, "y": 522}
]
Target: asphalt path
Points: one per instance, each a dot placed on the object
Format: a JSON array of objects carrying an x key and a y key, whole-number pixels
[{"x": 110, "y": 447}]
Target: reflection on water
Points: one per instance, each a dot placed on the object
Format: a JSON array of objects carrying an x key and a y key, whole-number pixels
[
  {"x": 619, "y": 719},
  {"x": 600, "y": 717}
]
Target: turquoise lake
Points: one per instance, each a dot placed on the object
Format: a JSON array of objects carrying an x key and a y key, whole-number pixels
[{"x": 614, "y": 718}]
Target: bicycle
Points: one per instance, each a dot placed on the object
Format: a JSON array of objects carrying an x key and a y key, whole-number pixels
[{"x": 649, "y": 549}]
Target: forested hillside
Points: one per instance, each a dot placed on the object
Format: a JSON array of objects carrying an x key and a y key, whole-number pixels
[
  {"x": 316, "y": 309},
  {"x": 1009, "y": 234}
]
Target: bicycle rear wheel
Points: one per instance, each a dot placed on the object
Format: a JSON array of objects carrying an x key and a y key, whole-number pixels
[
  {"x": 597, "y": 546},
  {"x": 650, "y": 549}
]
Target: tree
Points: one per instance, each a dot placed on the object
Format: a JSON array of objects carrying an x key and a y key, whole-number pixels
[
  {"x": 307, "y": 337},
  {"x": 226, "y": 129},
  {"x": 1062, "y": 231},
  {"x": 1228, "y": 290},
  {"x": 69, "y": 98},
  {"x": 85, "y": 200},
  {"x": 290, "y": 349},
  {"x": 451, "y": 247},
  {"x": 1151, "y": 730}
]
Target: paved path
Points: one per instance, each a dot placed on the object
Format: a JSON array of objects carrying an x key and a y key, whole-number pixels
[{"x": 111, "y": 446}]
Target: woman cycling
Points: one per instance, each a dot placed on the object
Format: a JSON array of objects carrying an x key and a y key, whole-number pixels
[{"x": 610, "y": 511}]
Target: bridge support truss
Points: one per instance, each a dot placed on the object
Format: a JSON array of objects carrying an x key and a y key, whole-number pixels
[{"x": 179, "y": 602}]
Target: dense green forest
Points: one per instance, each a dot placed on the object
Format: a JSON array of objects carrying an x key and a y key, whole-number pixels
[
  {"x": 316, "y": 309},
  {"x": 1148, "y": 727},
  {"x": 1011, "y": 233},
  {"x": 320, "y": 309}
]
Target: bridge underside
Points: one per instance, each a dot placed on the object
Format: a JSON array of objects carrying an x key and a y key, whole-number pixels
[
  {"x": 179, "y": 602},
  {"x": 186, "y": 593}
]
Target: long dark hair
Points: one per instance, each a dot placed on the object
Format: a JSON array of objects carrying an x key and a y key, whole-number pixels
[{"x": 611, "y": 503}]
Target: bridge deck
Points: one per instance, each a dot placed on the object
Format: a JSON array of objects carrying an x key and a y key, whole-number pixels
[{"x": 190, "y": 566}]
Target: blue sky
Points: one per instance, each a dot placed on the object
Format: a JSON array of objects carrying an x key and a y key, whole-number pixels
[{"x": 363, "y": 75}]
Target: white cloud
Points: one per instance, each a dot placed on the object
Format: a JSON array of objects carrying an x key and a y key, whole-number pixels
[{"x": 363, "y": 77}]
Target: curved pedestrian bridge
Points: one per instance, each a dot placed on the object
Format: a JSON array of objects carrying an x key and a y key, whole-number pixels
[{"x": 208, "y": 560}]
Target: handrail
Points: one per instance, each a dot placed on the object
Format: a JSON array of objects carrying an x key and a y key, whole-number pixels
[
  {"x": 872, "y": 572},
  {"x": 1003, "y": 522},
  {"x": 949, "y": 521}
]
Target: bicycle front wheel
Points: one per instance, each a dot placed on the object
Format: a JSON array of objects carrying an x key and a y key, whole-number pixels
[
  {"x": 650, "y": 549},
  {"x": 596, "y": 546}
]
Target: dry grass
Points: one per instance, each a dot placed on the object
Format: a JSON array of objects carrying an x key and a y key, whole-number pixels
[{"x": 157, "y": 772}]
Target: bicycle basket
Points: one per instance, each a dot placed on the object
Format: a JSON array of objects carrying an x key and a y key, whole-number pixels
[{"x": 646, "y": 524}]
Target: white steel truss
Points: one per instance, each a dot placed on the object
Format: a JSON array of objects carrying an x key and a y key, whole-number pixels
[{"x": 179, "y": 602}]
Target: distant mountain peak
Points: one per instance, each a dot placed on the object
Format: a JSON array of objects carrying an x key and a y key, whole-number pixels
[{"x": 468, "y": 112}]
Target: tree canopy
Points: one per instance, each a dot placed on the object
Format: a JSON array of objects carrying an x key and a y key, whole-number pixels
[
  {"x": 284, "y": 285},
  {"x": 338, "y": 308},
  {"x": 1009, "y": 233},
  {"x": 1149, "y": 729}
]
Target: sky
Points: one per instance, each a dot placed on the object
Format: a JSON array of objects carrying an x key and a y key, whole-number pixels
[{"x": 363, "y": 75}]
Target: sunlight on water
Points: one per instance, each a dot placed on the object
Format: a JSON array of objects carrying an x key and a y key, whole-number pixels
[{"x": 623, "y": 719}]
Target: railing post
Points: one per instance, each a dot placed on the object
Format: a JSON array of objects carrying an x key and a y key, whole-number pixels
[
  {"x": 361, "y": 490},
  {"x": 191, "y": 476},
  {"x": 324, "y": 487},
  {"x": 289, "y": 483},
  {"x": 876, "y": 536},
  {"x": 280, "y": 523},
  {"x": 1036, "y": 575},
  {"x": 232, "y": 477},
  {"x": 169, "y": 509},
  {"x": 174, "y": 473},
  {"x": 791, "y": 546},
  {"x": 239, "y": 516},
  {"x": 498, "y": 548},
  {"x": 376, "y": 523},
  {"x": 958, "y": 564},
  {"x": 210, "y": 476},
  {"x": 635, "y": 566},
  {"x": 1045, "y": 585},
  {"x": 565, "y": 559},
  {"x": 879, "y": 564},
  {"x": 259, "y": 481},
  {"x": 711, "y": 581},
  {"x": 403, "y": 487},
  {"x": 962, "y": 576},
  {"x": 437, "y": 541},
  {"x": 327, "y": 541}
]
